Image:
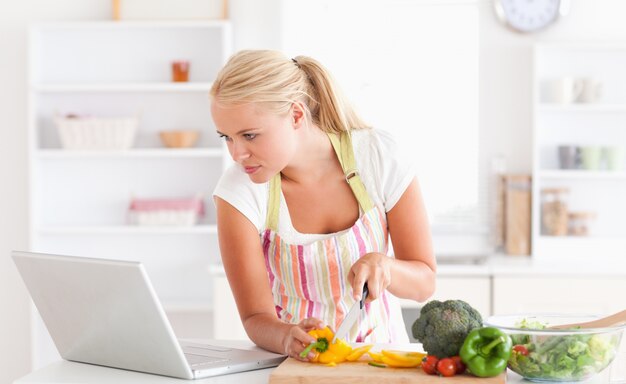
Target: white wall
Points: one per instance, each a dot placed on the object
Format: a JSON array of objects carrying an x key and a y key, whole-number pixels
[
  {"x": 504, "y": 113},
  {"x": 14, "y": 303}
]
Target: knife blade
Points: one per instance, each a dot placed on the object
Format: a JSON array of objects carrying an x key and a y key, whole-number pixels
[{"x": 352, "y": 316}]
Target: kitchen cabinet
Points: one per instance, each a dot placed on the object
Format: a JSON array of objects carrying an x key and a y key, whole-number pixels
[
  {"x": 79, "y": 199},
  {"x": 579, "y": 140},
  {"x": 558, "y": 294}
]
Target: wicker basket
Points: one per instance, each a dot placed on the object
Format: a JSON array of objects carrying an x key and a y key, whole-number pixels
[{"x": 89, "y": 133}]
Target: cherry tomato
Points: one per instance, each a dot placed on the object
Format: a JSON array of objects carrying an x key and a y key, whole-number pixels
[
  {"x": 522, "y": 350},
  {"x": 429, "y": 364},
  {"x": 446, "y": 367},
  {"x": 458, "y": 364}
]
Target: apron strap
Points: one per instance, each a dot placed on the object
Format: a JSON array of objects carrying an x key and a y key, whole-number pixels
[
  {"x": 345, "y": 153},
  {"x": 271, "y": 221}
]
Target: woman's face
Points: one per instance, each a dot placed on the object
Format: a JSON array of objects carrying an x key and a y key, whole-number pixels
[{"x": 261, "y": 142}]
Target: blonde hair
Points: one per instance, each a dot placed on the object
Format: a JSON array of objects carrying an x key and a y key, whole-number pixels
[{"x": 272, "y": 80}]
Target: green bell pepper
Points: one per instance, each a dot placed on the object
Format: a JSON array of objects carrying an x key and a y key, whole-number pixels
[{"x": 486, "y": 351}]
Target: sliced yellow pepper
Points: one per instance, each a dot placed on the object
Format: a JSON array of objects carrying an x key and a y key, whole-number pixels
[
  {"x": 400, "y": 364},
  {"x": 376, "y": 357},
  {"x": 404, "y": 357},
  {"x": 358, "y": 352}
]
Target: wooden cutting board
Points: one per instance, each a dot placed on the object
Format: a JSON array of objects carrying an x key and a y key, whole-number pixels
[{"x": 293, "y": 371}]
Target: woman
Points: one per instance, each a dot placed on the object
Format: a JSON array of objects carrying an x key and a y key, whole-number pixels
[{"x": 305, "y": 214}]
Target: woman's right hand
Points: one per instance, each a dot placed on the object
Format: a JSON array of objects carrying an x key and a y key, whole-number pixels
[{"x": 297, "y": 338}]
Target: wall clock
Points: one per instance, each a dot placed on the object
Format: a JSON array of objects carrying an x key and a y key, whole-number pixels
[{"x": 530, "y": 15}]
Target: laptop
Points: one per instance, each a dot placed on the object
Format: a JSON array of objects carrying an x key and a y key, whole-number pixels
[{"x": 106, "y": 312}]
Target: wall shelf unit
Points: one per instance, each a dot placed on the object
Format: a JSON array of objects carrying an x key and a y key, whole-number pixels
[
  {"x": 123, "y": 87},
  {"x": 79, "y": 199},
  {"x": 52, "y": 154},
  {"x": 582, "y": 175},
  {"x": 579, "y": 140},
  {"x": 128, "y": 230},
  {"x": 604, "y": 108}
]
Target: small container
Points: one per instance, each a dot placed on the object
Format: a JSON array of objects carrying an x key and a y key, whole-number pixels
[
  {"x": 591, "y": 158},
  {"x": 569, "y": 157},
  {"x": 166, "y": 212},
  {"x": 180, "y": 71},
  {"x": 579, "y": 223},
  {"x": 179, "y": 138},
  {"x": 96, "y": 133},
  {"x": 554, "y": 220},
  {"x": 614, "y": 158}
]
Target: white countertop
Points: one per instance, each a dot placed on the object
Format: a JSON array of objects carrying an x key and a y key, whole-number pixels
[
  {"x": 500, "y": 265},
  {"x": 77, "y": 373},
  {"x": 67, "y": 372}
]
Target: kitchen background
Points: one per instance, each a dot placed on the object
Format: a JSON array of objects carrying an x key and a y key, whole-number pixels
[{"x": 470, "y": 114}]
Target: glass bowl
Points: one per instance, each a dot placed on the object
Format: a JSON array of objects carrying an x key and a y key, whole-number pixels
[{"x": 554, "y": 355}]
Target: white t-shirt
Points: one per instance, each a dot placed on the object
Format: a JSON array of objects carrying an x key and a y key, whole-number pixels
[{"x": 382, "y": 169}]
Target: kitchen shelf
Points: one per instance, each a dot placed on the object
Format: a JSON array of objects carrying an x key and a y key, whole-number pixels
[
  {"x": 599, "y": 123},
  {"x": 132, "y": 24},
  {"x": 128, "y": 230},
  {"x": 582, "y": 175},
  {"x": 52, "y": 154},
  {"x": 584, "y": 108},
  {"x": 123, "y": 87}
]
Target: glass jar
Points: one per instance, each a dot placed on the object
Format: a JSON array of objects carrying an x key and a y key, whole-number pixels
[
  {"x": 554, "y": 219},
  {"x": 180, "y": 71},
  {"x": 579, "y": 223}
]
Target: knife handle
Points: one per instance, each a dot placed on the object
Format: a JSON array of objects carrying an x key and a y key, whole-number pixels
[{"x": 366, "y": 292}]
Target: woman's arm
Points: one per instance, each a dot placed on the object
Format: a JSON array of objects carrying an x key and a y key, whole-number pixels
[
  {"x": 411, "y": 274},
  {"x": 242, "y": 257}
]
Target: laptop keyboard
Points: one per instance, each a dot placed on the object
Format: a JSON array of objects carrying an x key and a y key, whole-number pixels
[
  {"x": 201, "y": 360},
  {"x": 204, "y": 355}
]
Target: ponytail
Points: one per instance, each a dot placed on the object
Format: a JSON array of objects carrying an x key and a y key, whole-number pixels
[
  {"x": 330, "y": 109},
  {"x": 269, "y": 78}
]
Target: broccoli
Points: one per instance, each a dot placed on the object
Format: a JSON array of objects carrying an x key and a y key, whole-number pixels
[{"x": 443, "y": 326}]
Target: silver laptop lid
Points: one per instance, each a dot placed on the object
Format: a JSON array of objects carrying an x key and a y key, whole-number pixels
[{"x": 102, "y": 312}]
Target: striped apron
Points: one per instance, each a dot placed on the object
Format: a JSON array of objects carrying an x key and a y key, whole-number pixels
[{"x": 310, "y": 280}]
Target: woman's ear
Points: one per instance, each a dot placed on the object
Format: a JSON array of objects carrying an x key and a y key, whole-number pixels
[{"x": 297, "y": 114}]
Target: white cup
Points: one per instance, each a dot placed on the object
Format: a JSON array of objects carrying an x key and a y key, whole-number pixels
[
  {"x": 614, "y": 157},
  {"x": 591, "y": 157},
  {"x": 591, "y": 90},
  {"x": 565, "y": 90}
]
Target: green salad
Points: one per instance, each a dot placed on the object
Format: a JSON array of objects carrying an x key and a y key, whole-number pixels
[{"x": 561, "y": 358}]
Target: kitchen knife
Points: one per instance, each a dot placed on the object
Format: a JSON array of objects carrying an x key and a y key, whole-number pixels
[{"x": 351, "y": 317}]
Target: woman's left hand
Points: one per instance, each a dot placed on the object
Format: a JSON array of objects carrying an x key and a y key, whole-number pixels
[{"x": 373, "y": 268}]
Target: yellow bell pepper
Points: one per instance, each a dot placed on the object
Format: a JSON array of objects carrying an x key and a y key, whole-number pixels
[{"x": 326, "y": 351}]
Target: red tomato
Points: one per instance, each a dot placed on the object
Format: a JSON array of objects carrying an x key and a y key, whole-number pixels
[
  {"x": 446, "y": 367},
  {"x": 458, "y": 364},
  {"x": 521, "y": 349},
  {"x": 429, "y": 364}
]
